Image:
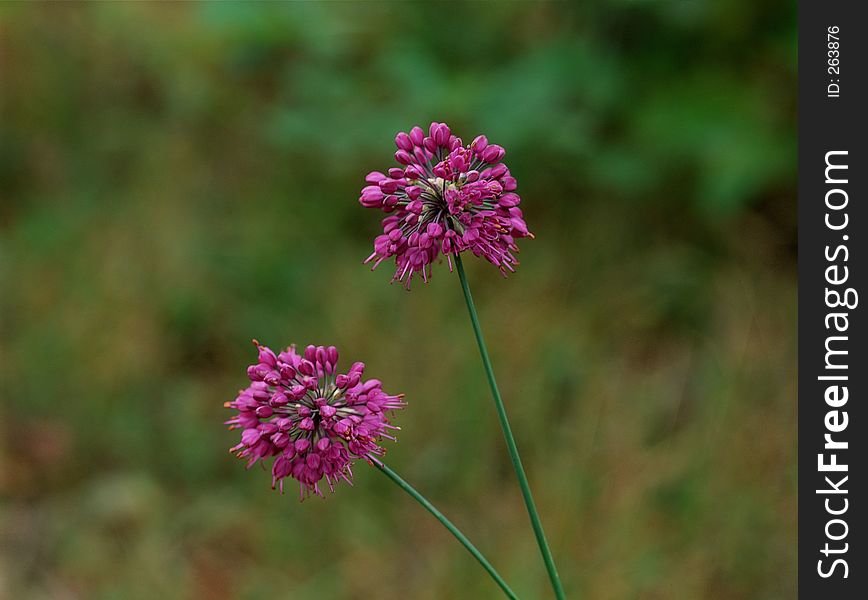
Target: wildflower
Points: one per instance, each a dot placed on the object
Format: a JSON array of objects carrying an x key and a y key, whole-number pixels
[
  {"x": 312, "y": 419},
  {"x": 445, "y": 198}
]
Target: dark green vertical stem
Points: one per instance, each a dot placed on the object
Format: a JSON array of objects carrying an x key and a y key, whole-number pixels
[{"x": 510, "y": 440}]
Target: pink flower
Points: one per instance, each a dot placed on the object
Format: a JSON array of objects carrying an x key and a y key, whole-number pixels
[
  {"x": 445, "y": 198},
  {"x": 314, "y": 421}
]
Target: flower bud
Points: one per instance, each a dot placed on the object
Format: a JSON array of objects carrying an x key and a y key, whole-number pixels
[
  {"x": 389, "y": 186},
  {"x": 305, "y": 367},
  {"x": 509, "y": 200},
  {"x": 266, "y": 356},
  {"x": 479, "y": 143},
  {"x": 403, "y": 141},
  {"x": 434, "y": 230},
  {"x": 371, "y": 197},
  {"x": 374, "y": 177},
  {"x": 279, "y": 399},
  {"x": 250, "y": 436},
  {"x": 417, "y": 135},
  {"x": 413, "y": 172},
  {"x": 441, "y": 134},
  {"x": 498, "y": 170},
  {"x": 430, "y": 145},
  {"x": 280, "y": 439},
  {"x": 493, "y": 153},
  {"x": 420, "y": 155}
]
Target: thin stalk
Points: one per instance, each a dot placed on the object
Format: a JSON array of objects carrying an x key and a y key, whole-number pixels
[
  {"x": 448, "y": 525},
  {"x": 510, "y": 440}
]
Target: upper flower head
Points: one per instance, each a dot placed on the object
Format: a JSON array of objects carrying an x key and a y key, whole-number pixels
[
  {"x": 314, "y": 420},
  {"x": 445, "y": 197}
]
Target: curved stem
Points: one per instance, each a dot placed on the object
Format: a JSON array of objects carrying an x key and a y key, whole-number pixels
[
  {"x": 448, "y": 525},
  {"x": 510, "y": 440}
]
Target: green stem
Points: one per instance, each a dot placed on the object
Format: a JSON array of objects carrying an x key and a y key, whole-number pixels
[
  {"x": 510, "y": 440},
  {"x": 448, "y": 525}
]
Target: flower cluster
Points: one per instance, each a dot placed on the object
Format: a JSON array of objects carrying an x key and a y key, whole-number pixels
[
  {"x": 312, "y": 419},
  {"x": 445, "y": 198}
]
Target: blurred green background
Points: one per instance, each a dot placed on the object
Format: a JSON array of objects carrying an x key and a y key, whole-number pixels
[{"x": 178, "y": 179}]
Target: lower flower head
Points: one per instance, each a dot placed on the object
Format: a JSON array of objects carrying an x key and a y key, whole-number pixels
[
  {"x": 445, "y": 198},
  {"x": 312, "y": 419}
]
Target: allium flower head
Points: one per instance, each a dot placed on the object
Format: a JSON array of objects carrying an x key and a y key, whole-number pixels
[
  {"x": 312, "y": 419},
  {"x": 444, "y": 198}
]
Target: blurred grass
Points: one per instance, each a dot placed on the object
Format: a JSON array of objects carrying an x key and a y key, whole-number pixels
[{"x": 177, "y": 179}]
